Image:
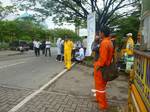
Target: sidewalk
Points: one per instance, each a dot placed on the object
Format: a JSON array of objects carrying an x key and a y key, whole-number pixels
[{"x": 72, "y": 93}]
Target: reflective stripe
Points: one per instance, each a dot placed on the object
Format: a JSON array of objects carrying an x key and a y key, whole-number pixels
[{"x": 94, "y": 90}]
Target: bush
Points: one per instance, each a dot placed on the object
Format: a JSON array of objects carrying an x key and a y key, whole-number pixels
[
  {"x": 4, "y": 46},
  {"x": 88, "y": 61}
]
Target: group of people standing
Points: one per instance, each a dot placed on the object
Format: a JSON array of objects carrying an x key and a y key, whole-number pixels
[
  {"x": 68, "y": 51},
  {"x": 45, "y": 46},
  {"x": 104, "y": 52}
]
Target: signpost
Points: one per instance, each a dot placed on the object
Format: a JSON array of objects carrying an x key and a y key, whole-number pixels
[{"x": 91, "y": 32}]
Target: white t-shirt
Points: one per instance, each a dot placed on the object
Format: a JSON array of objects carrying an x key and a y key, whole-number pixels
[
  {"x": 80, "y": 54},
  {"x": 36, "y": 44},
  {"x": 85, "y": 43},
  {"x": 48, "y": 44}
]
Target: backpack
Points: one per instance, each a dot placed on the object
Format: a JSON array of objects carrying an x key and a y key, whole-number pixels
[{"x": 110, "y": 72}]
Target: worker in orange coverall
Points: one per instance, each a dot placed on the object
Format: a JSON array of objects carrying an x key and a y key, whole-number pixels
[{"x": 105, "y": 57}]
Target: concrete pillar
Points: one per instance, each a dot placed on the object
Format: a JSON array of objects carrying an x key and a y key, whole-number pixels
[{"x": 146, "y": 23}]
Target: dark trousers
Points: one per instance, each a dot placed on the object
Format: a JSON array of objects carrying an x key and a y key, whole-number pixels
[
  {"x": 47, "y": 50},
  {"x": 37, "y": 51},
  {"x": 62, "y": 58},
  {"x": 43, "y": 51},
  {"x": 84, "y": 51},
  {"x": 58, "y": 58}
]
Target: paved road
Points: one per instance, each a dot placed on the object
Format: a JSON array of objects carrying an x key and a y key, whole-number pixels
[{"x": 28, "y": 71}]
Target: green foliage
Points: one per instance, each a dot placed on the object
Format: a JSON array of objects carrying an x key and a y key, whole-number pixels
[
  {"x": 28, "y": 30},
  {"x": 26, "y": 38},
  {"x": 18, "y": 30},
  {"x": 4, "y": 46},
  {"x": 126, "y": 25},
  {"x": 61, "y": 33}
]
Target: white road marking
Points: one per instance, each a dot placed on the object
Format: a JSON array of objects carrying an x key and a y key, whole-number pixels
[
  {"x": 28, "y": 98},
  {"x": 5, "y": 66}
]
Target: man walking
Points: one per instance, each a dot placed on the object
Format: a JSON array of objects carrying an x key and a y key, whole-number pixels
[
  {"x": 37, "y": 47},
  {"x": 105, "y": 57},
  {"x": 48, "y": 47}
]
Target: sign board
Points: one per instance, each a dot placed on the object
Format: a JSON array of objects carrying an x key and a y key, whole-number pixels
[
  {"x": 91, "y": 32},
  {"x": 83, "y": 32}
]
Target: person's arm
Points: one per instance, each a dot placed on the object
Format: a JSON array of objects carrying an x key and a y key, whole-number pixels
[
  {"x": 95, "y": 47},
  {"x": 72, "y": 45},
  {"x": 103, "y": 50}
]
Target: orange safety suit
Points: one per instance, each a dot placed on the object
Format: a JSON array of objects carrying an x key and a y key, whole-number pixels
[{"x": 105, "y": 57}]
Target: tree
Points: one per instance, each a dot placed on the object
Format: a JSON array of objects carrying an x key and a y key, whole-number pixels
[
  {"x": 127, "y": 24},
  {"x": 5, "y": 10},
  {"x": 61, "y": 33},
  {"x": 72, "y": 10},
  {"x": 18, "y": 30}
]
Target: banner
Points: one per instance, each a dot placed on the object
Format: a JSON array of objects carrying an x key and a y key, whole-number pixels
[{"x": 91, "y": 32}]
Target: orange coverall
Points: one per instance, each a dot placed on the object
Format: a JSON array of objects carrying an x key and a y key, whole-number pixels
[{"x": 105, "y": 57}]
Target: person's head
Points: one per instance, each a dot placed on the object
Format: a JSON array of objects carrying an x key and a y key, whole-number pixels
[
  {"x": 97, "y": 38},
  {"x": 139, "y": 37},
  {"x": 104, "y": 32},
  {"x": 129, "y": 35},
  {"x": 59, "y": 39},
  {"x": 66, "y": 38},
  {"x": 85, "y": 37},
  {"x": 113, "y": 36}
]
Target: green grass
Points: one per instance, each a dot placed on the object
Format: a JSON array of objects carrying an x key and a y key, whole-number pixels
[{"x": 88, "y": 61}]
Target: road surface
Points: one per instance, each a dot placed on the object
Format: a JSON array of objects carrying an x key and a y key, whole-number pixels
[{"x": 28, "y": 71}]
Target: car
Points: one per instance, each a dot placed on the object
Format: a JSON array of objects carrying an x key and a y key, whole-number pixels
[{"x": 19, "y": 45}]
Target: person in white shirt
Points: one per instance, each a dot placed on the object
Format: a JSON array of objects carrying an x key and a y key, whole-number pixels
[
  {"x": 36, "y": 45},
  {"x": 84, "y": 42},
  {"x": 79, "y": 56},
  {"x": 58, "y": 44},
  {"x": 62, "y": 51},
  {"x": 47, "y": 47}
]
